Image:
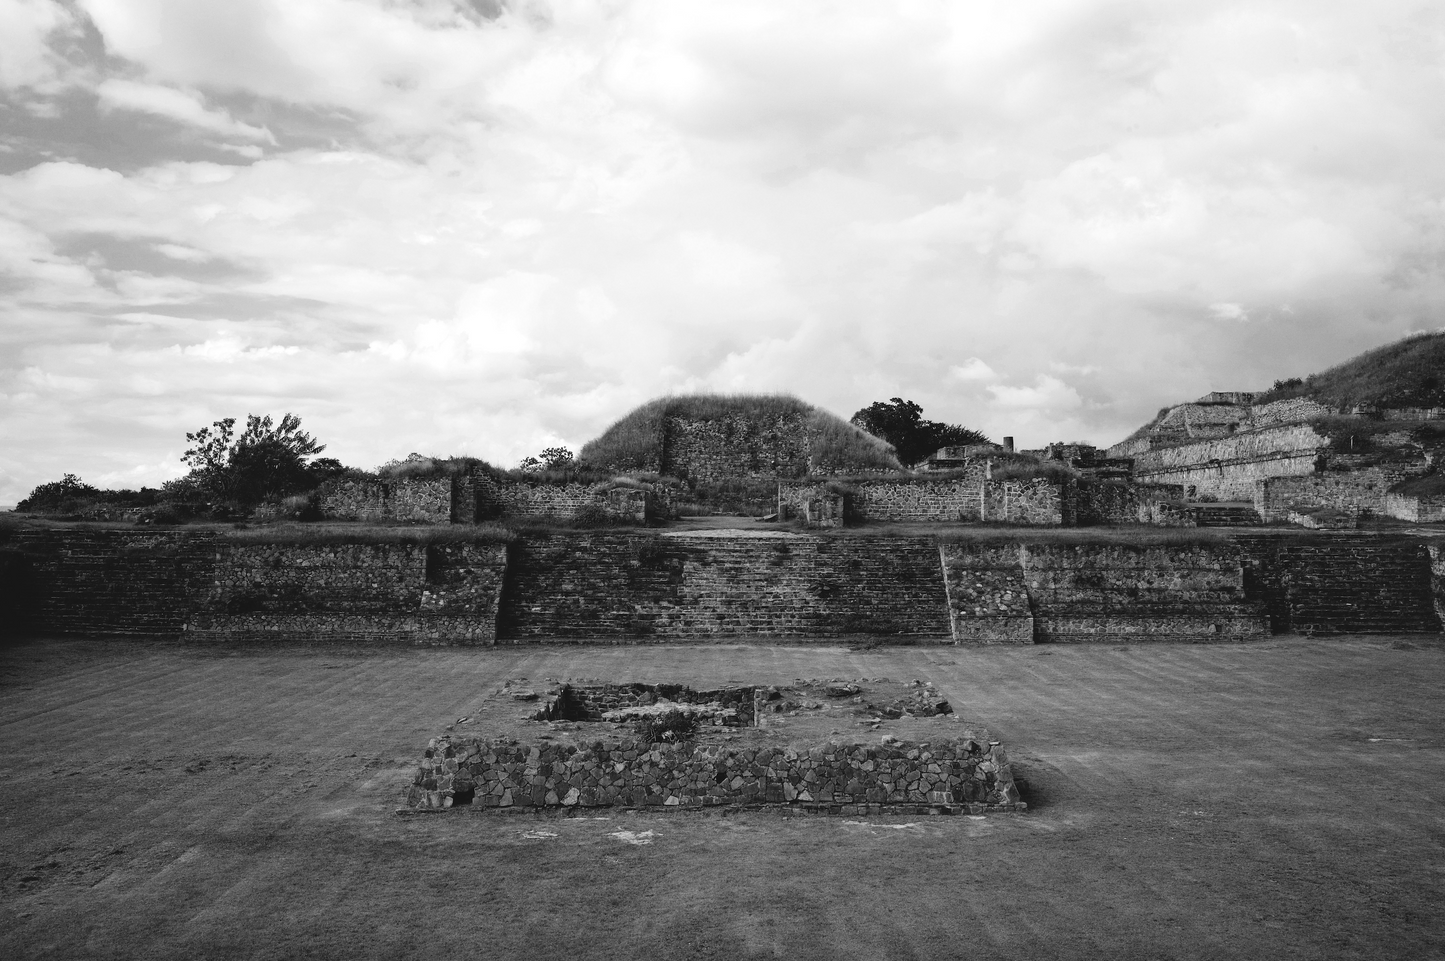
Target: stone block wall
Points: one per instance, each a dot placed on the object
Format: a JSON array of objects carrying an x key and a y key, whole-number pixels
[
  {"x": 113, "y": 582},
  {"x": 1113, "y": 503},
  {"x": 1294, "y": 410},
  {"x": 427, "y": 501},
  {"x": 735, "y": 446},
  {"x": 1359, "y": 491},
  {"x": 1228, "y": 467},
  {"x": 1039, "y": 501},
  {"x": 1422, "y": 509},
  {"x": 395, "y": 593},
  {"x": 1342, "y": 584},
  {"x": 721, "y": 583},
  {"x": 988, "y": 600},
  {"x": 1095, "y": 593},
  {"x": 1437, "y": 578},
  {"x": 506, "y": 497},
  {"x": 968, "y": 775}
]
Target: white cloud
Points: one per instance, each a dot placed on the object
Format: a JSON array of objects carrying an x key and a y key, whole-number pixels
[
  {"x": 178, "y": 105},
  {"x": 474, "y": 236},
  {"x": 972, "y": 370}
]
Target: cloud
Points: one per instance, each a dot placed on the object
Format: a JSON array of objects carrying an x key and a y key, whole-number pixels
[
  {"x": 180, "y": 106},
  {"x": 424, "y": 228},
  {"x": 972, "y": 370}
]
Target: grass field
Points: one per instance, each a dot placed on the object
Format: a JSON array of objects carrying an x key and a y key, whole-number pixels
[{"x": 1283, "y": 799}]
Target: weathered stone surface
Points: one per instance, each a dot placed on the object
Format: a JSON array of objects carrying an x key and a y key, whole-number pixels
[{"x": 944, "y": 777}]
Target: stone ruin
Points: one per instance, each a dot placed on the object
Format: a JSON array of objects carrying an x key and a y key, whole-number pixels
[{"x": 963, "y": 772}]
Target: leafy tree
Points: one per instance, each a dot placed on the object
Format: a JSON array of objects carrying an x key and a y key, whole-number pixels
[
  {"x": 557, "y": 458},
  {"x": 53, "y": 495},
  {"x": 900, "y": 422},
  {"x": 267, "y": 462}
]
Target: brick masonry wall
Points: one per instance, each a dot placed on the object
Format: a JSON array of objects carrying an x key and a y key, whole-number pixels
[
  {"x": 397, "y": 593},
  {"x": 113, "y": 582},
  {"x": 645, "y": 585},
  {"x": 711, "y": 450},
  {"x": 968, "y": 775},
  {"x": 1227, "y": 468},
  {"x": 407, "y": 499}
]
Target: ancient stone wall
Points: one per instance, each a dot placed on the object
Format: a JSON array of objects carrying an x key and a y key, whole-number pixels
[
  {"x": 1342, "y": 584},
  {"x": 721, "y": 583},
  {"x": 1294, "y": 410},
  {"x": 988, "y": 601},
  {"x": 966, "y": 775},
  {"x": 113, "y": 582},
  {"x": 1358, "y": 491},
  {"x": 1074, "y": 593},
  {"x": 1422, "y": 509},
  {"x": 1114, "y": 503},
  {"x": 1227, "y": 468},
  {"x": 507, "y": 497},
  {"x": 425, "y": 501},
  {"x": 735, "y": 446},
  {"x": 1039, "y": 501},
  {"x": 1437, "y": 578},
  {"x": 397, "y": 593}
]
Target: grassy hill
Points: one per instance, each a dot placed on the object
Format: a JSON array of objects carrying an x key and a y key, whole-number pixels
[
  {"x": 634, "y": 443},
  {"x": 1407, "y": 373}
]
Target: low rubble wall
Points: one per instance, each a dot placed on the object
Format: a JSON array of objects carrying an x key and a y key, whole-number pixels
[{"x": 966, "y": 776}]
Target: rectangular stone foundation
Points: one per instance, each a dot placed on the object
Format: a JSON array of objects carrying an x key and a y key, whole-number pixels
[{"x": 965, "y": 776}]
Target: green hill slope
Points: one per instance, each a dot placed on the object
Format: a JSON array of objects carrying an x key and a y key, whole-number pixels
[
  {"x": 1407, "y": 373},
  {"x": 634, "y": 443}
]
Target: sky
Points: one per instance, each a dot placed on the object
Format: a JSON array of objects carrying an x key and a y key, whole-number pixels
[{"x": 488, "y": 227}]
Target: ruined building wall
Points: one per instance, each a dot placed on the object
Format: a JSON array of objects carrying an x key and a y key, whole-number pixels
[
  {"x": 508, "y": 497},
  {"x": 1419, "y": 508},
  {"x": 1360, "y": 490},
  {"x": 426, "y": 501}
]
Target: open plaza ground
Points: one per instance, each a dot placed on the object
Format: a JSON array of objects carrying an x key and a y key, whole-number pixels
[{"x": 1279, "y": 799}]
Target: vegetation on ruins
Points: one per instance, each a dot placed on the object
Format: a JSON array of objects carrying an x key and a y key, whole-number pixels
[
  {"x": 635, "y": 442},
  {"x": 1407, "y": 373},
  {"x": 901, "y": 423}
]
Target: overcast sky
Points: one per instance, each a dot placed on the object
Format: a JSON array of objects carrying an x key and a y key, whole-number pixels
[{"x": 483, "y": 227}]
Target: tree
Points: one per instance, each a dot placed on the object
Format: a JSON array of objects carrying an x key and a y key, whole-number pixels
[
  {"x": 900, "y": 422},
  {"x": 267, "y": 462},
  {"x": 56, "y": 495}
]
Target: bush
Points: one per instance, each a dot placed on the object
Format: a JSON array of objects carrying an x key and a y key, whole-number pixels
[{"x": 667, "y": 726}]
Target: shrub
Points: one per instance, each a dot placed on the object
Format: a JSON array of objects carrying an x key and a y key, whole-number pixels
[{"x": 667, "y": 726}]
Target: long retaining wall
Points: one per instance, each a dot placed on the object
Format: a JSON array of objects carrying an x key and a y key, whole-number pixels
[
  {"x": 644, "y": 585},
  {"x": 833, "y": 778},
  {"x": 647, "y": 585}
]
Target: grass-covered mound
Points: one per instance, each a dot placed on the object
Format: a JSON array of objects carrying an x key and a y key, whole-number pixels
[
  {"x": 1407, "y": 373},
  {"x": 636, "y": 442}
]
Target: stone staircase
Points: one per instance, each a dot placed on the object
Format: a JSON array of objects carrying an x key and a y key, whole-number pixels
[
  {"x": 1225, "y": 515},
  {"x": 1362, "y": 589}
]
